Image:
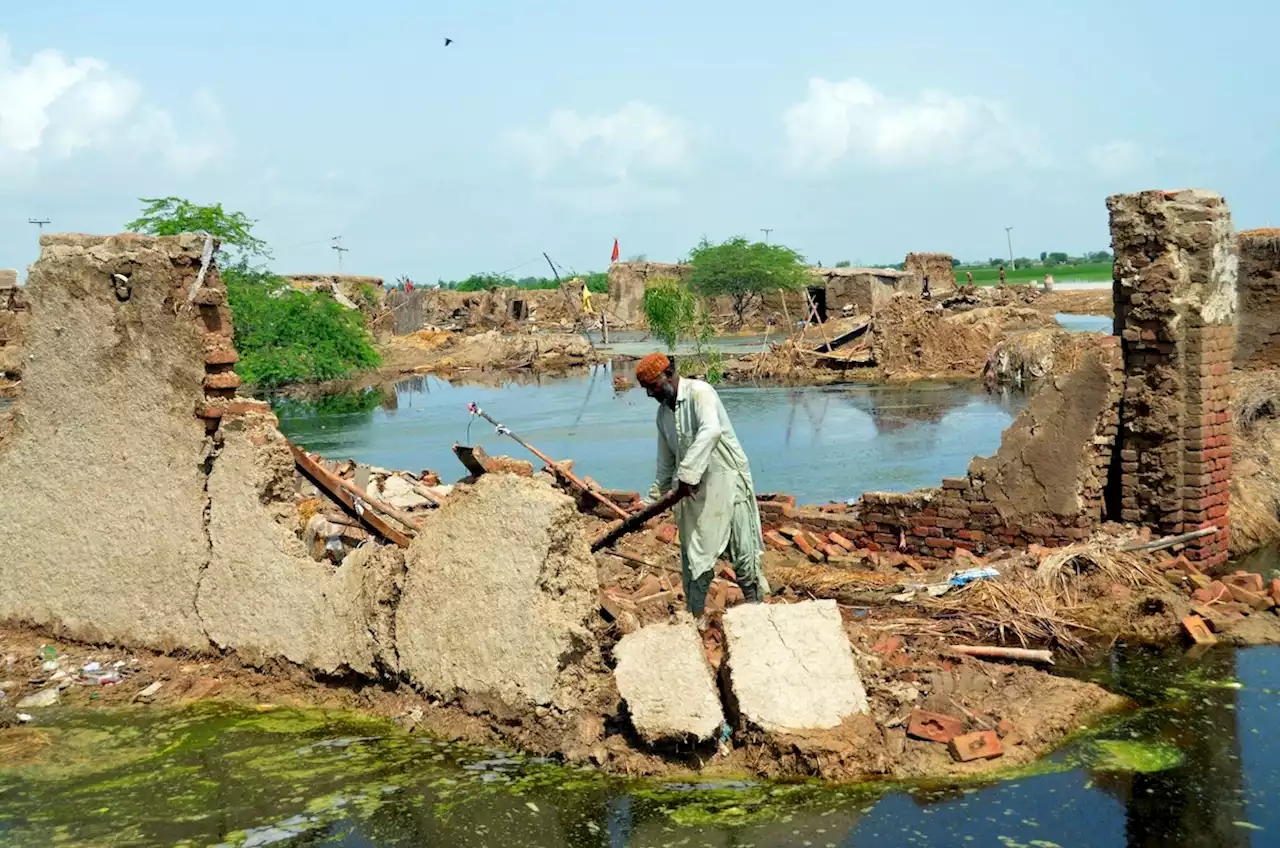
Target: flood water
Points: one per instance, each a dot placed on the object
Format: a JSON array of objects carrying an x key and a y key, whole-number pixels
[
  {"x": 819, "y": 443},
  {"x": 1085, "y": 323},
  {"x": 1199, "y": 765}
]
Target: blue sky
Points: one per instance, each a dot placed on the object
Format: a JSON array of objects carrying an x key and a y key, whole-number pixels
[{"x": 855, "y": 131}]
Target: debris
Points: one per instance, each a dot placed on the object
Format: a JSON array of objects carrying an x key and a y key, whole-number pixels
[
  {"x": 148, "y": 694},
  {"x": 774, "y": 539},
  {"x": 1250, "y": 599},
  {"x": 934, "y": 727},
  {"x": 663, "y": 676},
  {"x": 962, "y": 577},
  {"x": 1249, "y": 581},
  {"x": 996, "y": 652},
  {"x": 1198, "y": 630},
  {"x": 842, "y": 542},
  {"x": 666, "y": 533},
  {"x": 984, "y": 745},
  {"x": 43, "y": 698},
  {"x": 790, "y": 666}
]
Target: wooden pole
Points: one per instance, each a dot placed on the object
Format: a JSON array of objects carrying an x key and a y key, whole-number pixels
[
  {"x": 1170, "y": 541},
  {"x": 998, "y": 653},
  {"x": 634, "y": 522},
  {"x": 568, "y": 475},
  {"x": 345, "y": 494}
]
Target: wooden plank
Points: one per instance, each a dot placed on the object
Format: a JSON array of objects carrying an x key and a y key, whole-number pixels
[{"x": 344, "y": 494}]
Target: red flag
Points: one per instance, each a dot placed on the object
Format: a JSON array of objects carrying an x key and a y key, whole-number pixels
[{"x": 614, "y": 258}]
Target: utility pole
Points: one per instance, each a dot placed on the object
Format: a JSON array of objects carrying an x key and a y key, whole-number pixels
[
  {"x": 39, "y": 222},
  {"x": 339, "y": 249},
  {"x": 1008, "y": 235},
  {"x": 766, "y": 231}
]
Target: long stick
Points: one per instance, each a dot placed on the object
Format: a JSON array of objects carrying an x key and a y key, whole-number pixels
[
  {"x": 568, "y": 475},
  {"x": 1170, "y": 541},
  {"x": 634, "y": 522},
  {"x": 998, "y": 653},
  {"x": 345, "y": 494}
]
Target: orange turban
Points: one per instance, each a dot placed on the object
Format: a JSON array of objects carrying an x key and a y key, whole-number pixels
[{"x": 651, "y": 367}]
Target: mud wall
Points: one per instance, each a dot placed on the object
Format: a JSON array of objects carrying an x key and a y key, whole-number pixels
[
  {"x": 13, "y": 319},
  {"x": 1175, "y": 299},
  {"x": 936, "y": 266},
  {"x": 1258, "y": 322},
  {"x": 626, "y": 288}
]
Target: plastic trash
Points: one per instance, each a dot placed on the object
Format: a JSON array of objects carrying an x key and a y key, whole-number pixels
[
  {"x": 968, "y": 575},
  {"x": 92, "y": 667}
]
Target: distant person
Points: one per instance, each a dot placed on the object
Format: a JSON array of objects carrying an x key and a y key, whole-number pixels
[
  {"x": 586, "y": 300},
  {"x": 925, "y": 292},
  {"x": 1002, "y": 275},
  {"x": 1048, "y": 282},
  {"x": 968, "y": 275}
]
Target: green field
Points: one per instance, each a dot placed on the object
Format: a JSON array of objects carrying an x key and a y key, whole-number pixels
[{"x": 1088, "y": 272}]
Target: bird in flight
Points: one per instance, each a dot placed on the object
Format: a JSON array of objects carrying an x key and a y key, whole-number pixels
[{"x": 448, "y": 41}]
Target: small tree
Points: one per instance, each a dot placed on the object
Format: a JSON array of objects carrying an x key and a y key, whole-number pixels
[
  {"x": 671, "y": 310},
  {"x": 745, "y": 271},
  {"x": 171, "y": 216}
]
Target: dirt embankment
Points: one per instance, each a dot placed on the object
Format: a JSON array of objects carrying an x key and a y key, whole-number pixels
[{"x": 446, "y": 353}]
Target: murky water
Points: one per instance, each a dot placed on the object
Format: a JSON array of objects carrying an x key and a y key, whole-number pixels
[
  {"x": 821, "y": 444},
  {"x": 1085, "y": 323},
  {"x": 633, "y": 343},
  {"x": 1197, "y": 766}
]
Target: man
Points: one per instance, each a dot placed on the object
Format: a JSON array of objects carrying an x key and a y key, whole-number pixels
[
  {"x": 586, "y": 300},
  {"x": 699, "y": 453},
  {"x": 925, "y": 292}
]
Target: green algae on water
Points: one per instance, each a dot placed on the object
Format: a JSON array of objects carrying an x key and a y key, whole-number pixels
[{"x": 1133, "y": 756}]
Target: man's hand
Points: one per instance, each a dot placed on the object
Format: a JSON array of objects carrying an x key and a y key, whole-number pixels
[{"x": 687, "y": 490}]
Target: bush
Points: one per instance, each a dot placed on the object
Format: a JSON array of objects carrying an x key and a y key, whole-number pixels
[
  {"x": 671, "y": 310},
  {"x": 288, "y": 336}
]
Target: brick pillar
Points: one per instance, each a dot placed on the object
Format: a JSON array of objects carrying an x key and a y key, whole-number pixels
[{"x": 1175, "y": 296}]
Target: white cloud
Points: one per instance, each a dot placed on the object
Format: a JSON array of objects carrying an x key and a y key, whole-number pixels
[
  {"x": 636, "y": 138},
  {"x": 853, "y": 120},
  {"x": 1115, "y": 158},
  {"x": 55, "y": 107}
]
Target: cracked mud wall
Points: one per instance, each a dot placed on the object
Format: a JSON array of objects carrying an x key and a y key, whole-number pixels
[
  {"x": 1258, "y": 325},
  {"x": 262, "y": 594},
  {"x": 102, "y": 514},
  {"x": 499, "y": 599}
]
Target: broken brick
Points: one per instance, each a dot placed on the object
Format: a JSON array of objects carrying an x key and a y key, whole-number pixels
[
  {"x": 934, "y": 727},
  {"x": 789, "y": 530},
  {"x": 222, "y": 380},
  {"x": 1200, "y": 581},
  {"x": 1275, "y": 590},
  {"x": 1198, "y": 630},
  {"x": 666, "y": 533},
  {"x": 803, "y": 544},
  {"x": 833, "y": 552},
  {"x": 983, "y": 745},
  {"x": 774, "y": 539},
  {"x": 1251, "y": 599},
  {"x": 887, "y": 646},
  {"x": 1249, "y": 581},
  {"x": 1215, "y": 591},
  {"x": 842, "y": 542}
]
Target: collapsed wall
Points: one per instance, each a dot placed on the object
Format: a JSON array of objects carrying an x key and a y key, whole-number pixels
[
  {"x": 1258, "y": 324},
  {"x": 362, "y": 292},
  {"x": 1045, "y": 485},
  {"x": 626, "y": 288}
]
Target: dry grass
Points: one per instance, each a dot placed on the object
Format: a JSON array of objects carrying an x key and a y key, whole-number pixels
[
  {"x": 826, "y": 582},
  {"x": 1255, "y": 482},
  {"x": 1044, "y": 605}
]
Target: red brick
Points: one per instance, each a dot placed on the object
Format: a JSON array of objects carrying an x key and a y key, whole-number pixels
[
  {"x": 789, "y": 530},
  {"x": 983, "y": 745},
  {"x": 1250, "y": 581},
  {"x": 666, "y": 533},
  {"x": 842, "y": 541},
  {"x": 955, "y": 483},
  {"x": 924, "y": 521},
  {"x": 223, "y": 355},
  {"x": 934, "y": 727},
  {"x": 951, "y": 524},
  {"x": 803, "y": 544},
  {"x": 941, "y": 544},
  {"x": 1215, "y": 591},
  {"x": 774, "y": 539},
  {"x": 887, "y": 646},
  {"x": 222, "y": 380},
  {"x": 1252, "y": 599},
  {"x": 1198, "y": 630}
]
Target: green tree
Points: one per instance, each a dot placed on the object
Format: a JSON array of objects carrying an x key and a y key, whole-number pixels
[
  {"x": 171, "y": 216},
  {"x": 745, "y": 271},
  {"x": 674, "y": 314},
  {"x": 283, "y": 335},
  {"x": 1056, "y": 258},
  {"x": 844, "y": 263}
]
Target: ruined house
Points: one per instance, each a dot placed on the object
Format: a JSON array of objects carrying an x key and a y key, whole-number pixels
[{"x": 13, "y": 318}]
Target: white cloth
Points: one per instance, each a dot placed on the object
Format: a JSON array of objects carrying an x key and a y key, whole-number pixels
[{"x": 697, "y": 445}]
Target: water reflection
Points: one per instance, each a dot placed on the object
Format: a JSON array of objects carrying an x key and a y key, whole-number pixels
[{"x": 821, "y": 443}]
